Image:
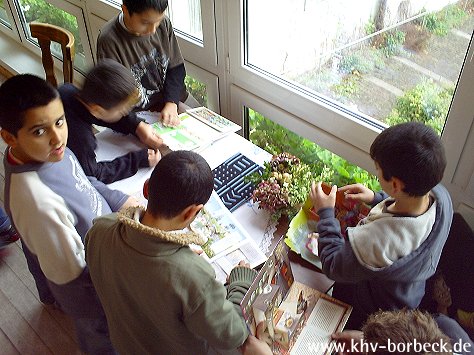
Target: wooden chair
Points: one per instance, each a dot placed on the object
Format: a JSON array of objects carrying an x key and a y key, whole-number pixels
[{"x": 46, "y": 33}]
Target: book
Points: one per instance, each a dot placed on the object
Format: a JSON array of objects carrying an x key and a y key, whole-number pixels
[
  {"x": 191, "y": 134},
  {"x": 214, "y": 120},
  {"x": 296, "y": 316},
  {"x": 227, "y": 242},
  {"x": 301, "y": 236}
]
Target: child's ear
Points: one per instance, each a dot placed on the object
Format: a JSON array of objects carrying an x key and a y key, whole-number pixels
[
  {"x": 397, "y": 185},
  {"x": 191, "y": 212},
  {"x": 145, "y": 188},
  {"x": 8, "y": 138},
  {"x": 95, "y": 110}
]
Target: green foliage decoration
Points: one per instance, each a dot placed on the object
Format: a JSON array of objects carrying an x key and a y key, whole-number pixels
[
  {"x": 284, "y": 185},
  {"x": 427, "y": 102}
]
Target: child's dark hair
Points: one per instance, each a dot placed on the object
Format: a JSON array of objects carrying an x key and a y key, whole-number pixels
[
  {"x": 179, "y": 180},
  {"x": 138, "y": 6},
  {"x": 108, "y": 84},
  {"x": 19, "y": 94},
  {"x": 413, "y": 153}
]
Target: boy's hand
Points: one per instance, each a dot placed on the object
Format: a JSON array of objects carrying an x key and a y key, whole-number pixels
[
  {"x": 358, "y": 192},
  {"x": 319, "y": 197},
  {"x": 147, "y": 136},
  {"x": 256, "y": 345},
  {"x": 169, "y": 115},
  {"x": 242, "y": 263},
  {"x": 154, "y": 156}
]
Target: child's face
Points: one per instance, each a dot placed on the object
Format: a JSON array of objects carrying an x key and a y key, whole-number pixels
[
  {"x": 143, "y": 23},
  {"x": 43, "y": 136}
]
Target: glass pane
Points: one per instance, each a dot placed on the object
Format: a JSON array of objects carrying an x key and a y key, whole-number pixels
[
  {"x": 41, "y": 11},
  {"x": 3, "y": 14},
  {"x": 197, "y": 89},
  {"x": 393, "y": 61},
  {"x": 185, "y": 16},
  {"x": 277, "y": 139}
]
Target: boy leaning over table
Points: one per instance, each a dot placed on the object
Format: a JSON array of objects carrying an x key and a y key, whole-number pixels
[
  {"x": 52, "y": 203},
  {"x": 108, "y": 93},
  {"x": 389, "y": 255},
  {"x": 159, "y": 296}
]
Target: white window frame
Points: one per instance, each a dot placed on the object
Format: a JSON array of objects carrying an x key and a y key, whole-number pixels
[
  {"x": 13, "y": 31},
  {"x": 323, "y": 115},
  {"x": 203, "y": 55}
]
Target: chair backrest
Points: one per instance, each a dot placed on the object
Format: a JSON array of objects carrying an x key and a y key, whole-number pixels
[{"x": 47, "y": 33}]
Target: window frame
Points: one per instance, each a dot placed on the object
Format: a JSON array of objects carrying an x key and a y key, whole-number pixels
[
  {"x": 74, "y": 10},
  {"x": 13, "y": 30}
]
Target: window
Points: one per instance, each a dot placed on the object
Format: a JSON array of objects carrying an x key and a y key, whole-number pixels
[
  {"x": 42, "y": 11},
  {"x": 186, "y": 17},
  {"x": 386, "y": 62},
  {"x": 197, "y": 89},
  {"x": 276, "y": 139},
  {"x": 3, "y": 14}
]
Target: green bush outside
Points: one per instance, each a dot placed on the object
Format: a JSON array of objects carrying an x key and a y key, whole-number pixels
[
  {"x": 363, "y": 60},
  {"x": 41, "y": 11},
  {"x": 442, "y": 21},
  {"x": 197, "y": 89},
  {"x": 427, "y": 102},
  {"x": 327, "y": 166}
]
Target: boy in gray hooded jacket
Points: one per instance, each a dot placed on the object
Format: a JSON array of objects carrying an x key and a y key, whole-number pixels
[{"x": 390, "y": 254}]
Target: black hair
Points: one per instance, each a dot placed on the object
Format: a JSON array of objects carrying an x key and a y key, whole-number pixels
[
  {"x": 413, "y": 153},
  {"x": 139, "y": 6},
  {"x": 19, "y": 94},
  {"x": 180, "y": 179},
  {"x": 108, "y": 84}
]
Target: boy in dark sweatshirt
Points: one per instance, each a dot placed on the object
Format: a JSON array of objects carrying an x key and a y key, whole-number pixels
[{"x": 106, "y": 98}]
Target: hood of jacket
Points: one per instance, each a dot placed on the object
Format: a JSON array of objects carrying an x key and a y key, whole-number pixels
[{"x": 130, "y": 218}]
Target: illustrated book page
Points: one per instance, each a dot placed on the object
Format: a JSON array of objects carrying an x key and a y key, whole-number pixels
[
  {"x": 191, "y": 134},
  {"x": 227, "y": 242}
]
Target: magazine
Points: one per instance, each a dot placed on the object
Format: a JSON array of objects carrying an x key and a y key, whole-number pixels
[
  {"x": 296, "y": 316},
  {"x": 227, "y": 242}
]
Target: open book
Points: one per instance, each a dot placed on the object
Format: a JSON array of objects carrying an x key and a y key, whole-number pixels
[
  {"x": 227, "y": 242},
  {"x": 298, "y": 319},
  {"x": 198, "y": 129}
]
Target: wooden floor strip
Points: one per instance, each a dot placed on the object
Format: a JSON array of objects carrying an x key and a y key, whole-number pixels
[{"x": 27, "y": 326}]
